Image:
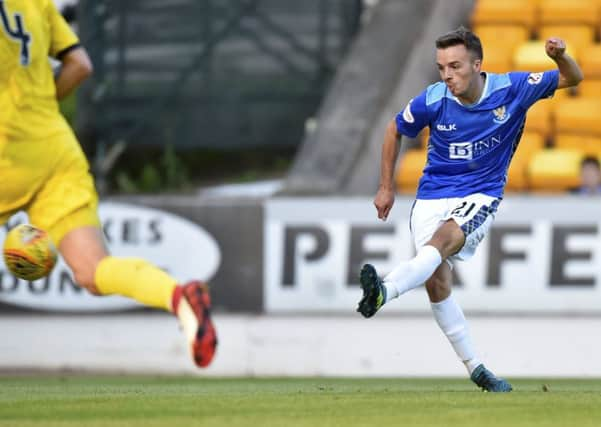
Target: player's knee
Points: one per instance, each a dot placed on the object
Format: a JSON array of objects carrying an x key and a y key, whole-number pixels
[
  {"x": 438, "y": 289},
  {"x": 448, "y": 239}
]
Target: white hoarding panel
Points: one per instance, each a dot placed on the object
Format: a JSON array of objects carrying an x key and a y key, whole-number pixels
[{"x": 541, "y": 255}]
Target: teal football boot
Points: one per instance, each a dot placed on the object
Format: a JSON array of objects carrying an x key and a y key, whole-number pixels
[{"x": 487, "y": 381}]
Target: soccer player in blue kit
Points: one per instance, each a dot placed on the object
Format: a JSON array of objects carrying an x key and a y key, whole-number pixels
[{"x": 476, "y": 120}]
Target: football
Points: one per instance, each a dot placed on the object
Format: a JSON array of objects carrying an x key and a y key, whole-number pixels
[{"x": 29, "y": 252}]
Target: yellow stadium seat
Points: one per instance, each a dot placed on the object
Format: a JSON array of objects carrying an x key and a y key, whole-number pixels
[
  {"x": 517, "y": 175},
  {"x": 576, "y": 36},
  {"x": 589, "y": 88},
  {"x": 410, "y": 170},
  {"x": 589, "y": 145},
  {"x": 555, "y": 170},
  {"x": 562, "y": 94},
  {"x": 565, "y": 12},
  {"x": 578, "y": 116},
  {"x": 559, "y": 96},
  {"x": 497, "y": 59},
  {"x": 494, "y": 63},
  {"x": 504, "y": 12},
  {"x": 512, "y": 35},
  {"x": 423, "y": 137},
  {"x": 590, "y": 62},
  {"x": 530, "y": 143},
  {"x": 531, "y": 56},
  {"x": 540, "y": 119}
]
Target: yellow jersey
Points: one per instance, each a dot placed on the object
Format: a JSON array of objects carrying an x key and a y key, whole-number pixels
[{"x": 31, "y": 31}]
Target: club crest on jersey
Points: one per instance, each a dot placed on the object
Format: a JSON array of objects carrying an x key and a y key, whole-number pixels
[
  {"x": 535, "y": 78},
  {"x": 501, "y": 115}
]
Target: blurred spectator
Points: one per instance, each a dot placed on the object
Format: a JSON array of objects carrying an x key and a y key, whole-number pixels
[{"x": 590, "y": 176}]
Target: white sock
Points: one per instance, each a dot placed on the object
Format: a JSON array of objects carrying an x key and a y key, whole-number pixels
[
  {"x": 391, "y": 292},
  {"x": 451, "y": 320},
  {"x": 413, "y": 273}
]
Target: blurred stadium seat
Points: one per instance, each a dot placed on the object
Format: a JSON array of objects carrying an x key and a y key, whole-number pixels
[
  {"x": 536, "y": 4},
  {"x": 578, "y": 116},
  {"x": 540, "y": 119},
  {"x": 423, "y": 137},
  {"x": 591, "y": 62},
  {"x": 589, "y": 145},
  {"x": 555, "y": 170},
  {"x": 585, "y": 12},
  {"x": 512, "y": 34},
  {"x": 517, "y": 175},
  {"x": 578, "y": 37},
  {"x": 589, "y": 88},
  {"x": 506, "y": 12},
  {"x": 558, "y": 97},
  {"x": 530, "y": 143},
  {"x": 531, "y": 56},
  {"x": 410, "y": 170},
  {"x": 498, "y": 58}
]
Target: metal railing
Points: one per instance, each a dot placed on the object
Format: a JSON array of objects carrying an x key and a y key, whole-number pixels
[{"x": 209, "y": 73}]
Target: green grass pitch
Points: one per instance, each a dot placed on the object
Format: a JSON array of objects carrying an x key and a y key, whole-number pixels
[{"x": 145, "y": 401}]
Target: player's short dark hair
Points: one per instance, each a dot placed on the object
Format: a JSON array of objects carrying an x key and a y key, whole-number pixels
[
  {"x": 461, "y": 36},
  {"x": 590, "y": 160}
]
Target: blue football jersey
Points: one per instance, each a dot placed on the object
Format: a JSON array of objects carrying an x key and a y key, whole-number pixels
[{"x": 470, "y": 146}]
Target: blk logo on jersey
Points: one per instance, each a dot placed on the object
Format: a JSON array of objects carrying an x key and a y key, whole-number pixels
[
  {"x": 446, "y": 128},
  {"x": 501, "y": 115}
]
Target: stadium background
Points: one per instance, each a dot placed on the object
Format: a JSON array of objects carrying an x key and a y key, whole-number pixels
[{"x": 176, "y": 81}]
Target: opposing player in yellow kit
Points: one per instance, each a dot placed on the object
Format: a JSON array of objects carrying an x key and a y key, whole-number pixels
[{"x": 44, "y": 171}]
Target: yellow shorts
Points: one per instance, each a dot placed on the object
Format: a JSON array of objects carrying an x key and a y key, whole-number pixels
[{"x": 50, "y": 180}]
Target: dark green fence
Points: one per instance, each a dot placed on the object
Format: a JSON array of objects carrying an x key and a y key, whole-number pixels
[{"x": 209, "y": 73}]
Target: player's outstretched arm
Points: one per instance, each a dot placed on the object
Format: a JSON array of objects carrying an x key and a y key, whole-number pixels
[
  {"x": 75, "y": 68},
  {"x": 390, "y": 150},
  {"x": 570, "y": 73}
]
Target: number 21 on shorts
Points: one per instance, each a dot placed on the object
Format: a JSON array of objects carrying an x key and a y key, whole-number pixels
[{"x": 463, "y": 209}]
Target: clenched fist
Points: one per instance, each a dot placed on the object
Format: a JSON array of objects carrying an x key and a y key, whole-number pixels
[{"x": 555, "y": 47}]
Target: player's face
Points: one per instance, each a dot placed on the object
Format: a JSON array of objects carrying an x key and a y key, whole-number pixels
[{"x": 458, "y": 69}]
